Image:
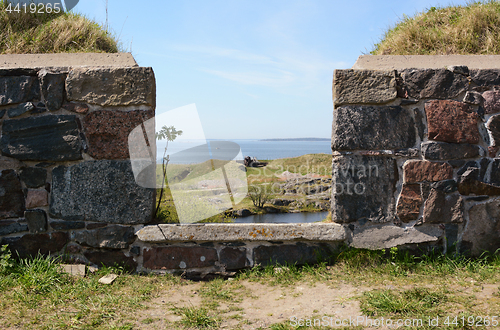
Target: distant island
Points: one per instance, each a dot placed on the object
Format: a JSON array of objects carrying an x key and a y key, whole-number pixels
[{"x": 298, "y": 139}]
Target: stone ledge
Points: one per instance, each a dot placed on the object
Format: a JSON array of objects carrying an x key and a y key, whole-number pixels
[
  {"x": 66, "y": 60},
  {"x": 401, "y": 62},
  {"x": 242, "y": 232}
]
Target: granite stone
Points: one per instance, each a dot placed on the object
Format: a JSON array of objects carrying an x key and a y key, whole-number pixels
[
  {"x": 441, "y": 150},
  {"x": 409, "y": 203},
  {"x": 52, "y": 87},
  {"x": 18, "y": 89},
  {"x": 433, "y": 83},
  {"x": 483, "y": 229},
  {"x": 11, "y": 195},
  {"x": 37, "y": 221},
  {"x": 493, "y": 126},
  {"x": 33, "y": 177},
  {"x": 111, "y": 237},
  {"x": 491, "y": 101},
  {"x": 420, "y": 170},
  {"x": 20, "y": 109},
  {"x": 30, "y": 245},
  {"x": 178, "y": 257}
]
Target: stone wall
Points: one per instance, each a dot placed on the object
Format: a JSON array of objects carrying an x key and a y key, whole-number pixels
[{"x": 416, "y": 157}]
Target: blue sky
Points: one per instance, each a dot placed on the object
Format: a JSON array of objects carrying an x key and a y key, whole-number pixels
[{"x": 254, "y": 69}]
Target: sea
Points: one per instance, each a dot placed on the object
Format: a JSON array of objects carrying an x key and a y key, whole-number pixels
[{"x": 260, "y": 149}]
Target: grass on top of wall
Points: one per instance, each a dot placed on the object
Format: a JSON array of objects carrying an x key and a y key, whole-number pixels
[
  {"x": 26, "y": 33},
  {"x": 471, "y": 29}
]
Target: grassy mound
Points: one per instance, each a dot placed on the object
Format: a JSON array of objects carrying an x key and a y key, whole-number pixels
[
  {"x": 26, "y": 33},
  {"x": 471, "y": 29}
]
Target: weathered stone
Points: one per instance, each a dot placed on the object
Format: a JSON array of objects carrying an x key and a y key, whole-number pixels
[
  {"x": 107, "y": 132},
  {"x": 10, "y": 227},
  {"x": 494, "y": 173},
  {"x": 111, "y": 258},
  {"x": 37, "y": 221},
  {"x": 363, "y": 187},
  {"x": 372, "y": 128},
  {"x": 33, "y": 177},
  {"x": 52, "y": 85},
  {"x": 447, "y": 186},
  {"x": 421, "y": 170},
  {"x": 95, "y": 225},
  {"x": 101, "y": 191},
  {"x": 37, "y": 198},
  {"x": 441, "y": 150},
  {"x": 408, "y": 152},
  {"x": 483, "y": 229},
  {"x": 440, "y": 208},
  {"x": 112, "y": 237},
  {"x": 54, "y": 138},
  {"x": 460, "y": 69},
  {"x": 451, "y": 121},
  {"x": 32, "y": 244},
  {"x": 420, "y": 122},
  {"x": 2, "y": 113},
  {"x": 72, "y": 248},
  {"x": 363, "y": 86},
  {"x": 9, "y": 72},
  {"x": 135, "y": 250},
  {"x": 491, "y": 101},
  {"x": 425, "y": 190},
  {"x": 66, "y": 225},
  {"x": 469, "y": 183},
  {"x": 11, "y": 195},
  {"x": 176, "y": 257},
  {"x": 387, "y": 235},
  {"x": 80, "y": 108},
  {"x": 492, "y": 151},
  {"x": 289, "y": 254},
  {"x": 20, "y": 109},
  {"x": 485, "y": 77},
  {"x": 18, "y": 89},
  {"x": 409, "y": 202},
  {"x": 112, "y": 86},
  {"x": 493, "y": 126},
  {"x": 451, "y": 234},
  {"x": 474, "y": 98},
  {"x": 233, "y": 258},
  {"x": 434, "y": 84}
]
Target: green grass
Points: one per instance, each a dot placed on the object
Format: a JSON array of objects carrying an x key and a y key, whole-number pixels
[
  {"x": 199, "y": 318},
  {"x": 26, "y": 33},
  {"x": 470, "y": 29}
]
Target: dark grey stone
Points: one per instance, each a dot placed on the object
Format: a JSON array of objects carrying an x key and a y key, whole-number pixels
[
  {"x": 233, "y": 258},
  {"x": 52, "y": 85},
  {"x": 101, "y": 191},
  {"x": 112, "y": 237},
  {"x": 494, "y": 177},
  {"x": 37, "y": 221},
  {"x": 363, "y": 187},
  {"x": 11, "y": 195},
  {"x": 10, "y": 226},
  {"x": 485, "y": 77},
  {"x": 420, "y": 122},
  {"x": 473, "y": 98},
  {"x": 447, "y": 186},
  {"x": 459, "y": 69},
  {"x": 18, "y": 89},
  {"x": 32, "y": 244},
  {"x": 2, "y": 113},
  {"x": 372, "y": 128},
  {"x": 20, "y": 109},
  {"x": 52, "y": 138},
  {"x": 33, "y": 177},
  {"x": 451, "y": 234},
  {"x": 441, "y": 150},
  {"x": 493, "y": 126},
  {"x": 464, "y": 168},
  {"x": 18, "y": 72},
  {"x": 39, "y": 108},
  {"x": 484, "y": 163},
  {"x": 434, "y": 83},
  {"x": 135, "y": 250},
  {"x": 442, "y": 208},
  {"x": 66, "y": 225},
  {"x": 483, "y": 229},
  {"x": 289, "y": 254},
  {"x": 408, "y": 101}
]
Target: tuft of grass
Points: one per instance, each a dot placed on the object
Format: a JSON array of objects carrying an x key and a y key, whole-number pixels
[
  {"x": 470, "y": 29},
  {"x": 26, "y": 33},
  {"x": 40, "y": 274},
  {"x": 197, "y": 317}
]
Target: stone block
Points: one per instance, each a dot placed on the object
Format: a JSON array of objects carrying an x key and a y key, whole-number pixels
[
  {"x": 451, "y": 121},
  {"x": 363, "y": 86},
  {"x": 80, "y": 108},
  {"x": 440, "y": 208},
  {"x": 493, "y": 126},
  {"x": 491, "y": 101},
  {"x": 10, "y": 163},
  {"x": 441, "y": 150},
  {"x": 433, "y": 83},
  {"x": 494, "y": 173},
  {"x": 409, "y": 202},
  {"x": 32, "y": 244},
  {"x": 11, "y": 195},
  {"x": 474, "y": 98},
  {"x": 363, "y": 187},
  {"x": 33, "y": 177},
  {"x": 20, "y": 109},
  {"x": 11, "y": 226},
  {"x": 298, "y": 254},
  {"x": 51, "y": 138},
  {"x": 447, "y": 186},
  {"x": 483, "y": 229},
  {"x": 111, "y": 237},
  {"x": 18, "y": 89},
  {"x": 470, "y": 183},
  {"x": 177, "y": 257},
  {"x": 52, "y": 86},
  {"x": 372, "y": 128},
  {"x": 107, "y": 132},
  {"x": 485, "y": 77},
  {"x": 110, "y": 259},
  {"x": 37, "y": 198},
  {"x": 66, "y": 225},
  {"x": 95, "y": 225},
  {"x": 37, "y": 221},
  {"x": 233, "y": 258},
  {"x": 112, "y": 86},
  {"x": 100, "y": 191},
  {"x": 420, "y": 170}
]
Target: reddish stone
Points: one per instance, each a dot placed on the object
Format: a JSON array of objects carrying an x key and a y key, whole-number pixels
[
  {"x": 492, "y": 151},
  {"x": 491, "y": 101},
  {"x": 30, "y": 244},
  {"x": 111, "y": 258},
  {"x": 107, "y": 131},
  {"x": 76, "y": 107},
  {"x": 440, "y": 208},
  {"x": 11, "y": 195},
  {"x": 409, "y": 202},
  {"x": 233, "y": 258},
  {"x": 37, "y": 198},
  {"x": 421, "y": 170},
  {"x": 469, "y": 184},
  {"x": 176, "y": 257},
  {"x": 451, "y": 121}
]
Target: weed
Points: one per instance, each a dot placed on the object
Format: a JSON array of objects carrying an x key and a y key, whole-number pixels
[
  {"x": 197, "y": 317},
  {"x": 40, "y": 274}
]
